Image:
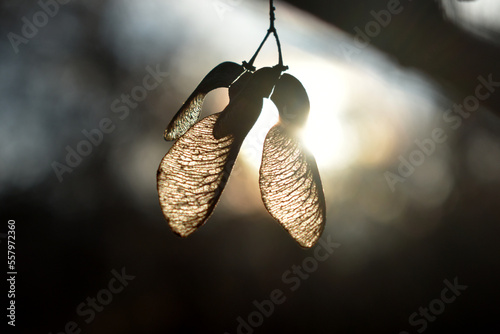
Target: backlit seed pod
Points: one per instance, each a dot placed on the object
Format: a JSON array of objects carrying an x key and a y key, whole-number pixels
[
  {"x": 193, "y": 174},
  {"x": 239, "y": 84},
  {"x": 290, "y": 185},
  {"x": 246, "y": 101},
  {"x": 289, "y": 179},
  {"x": 291, "y": 99},
  {"x": 223, "y": 75}
]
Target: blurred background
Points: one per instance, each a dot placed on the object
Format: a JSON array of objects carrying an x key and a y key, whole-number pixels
[{"x": 126, "y": 67}]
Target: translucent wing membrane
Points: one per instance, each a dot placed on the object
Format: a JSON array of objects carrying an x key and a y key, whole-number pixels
[
  {"x": 289, "y": 179},
  {"x": 185, "y": 117},
  {"x": 291, "y": 187},
  {"x": 193, "y": 174},
  {"x": 223, "y": 75}
]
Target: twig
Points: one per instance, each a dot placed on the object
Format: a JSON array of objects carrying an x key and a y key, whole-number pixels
[{"x": 272, "y": 29}]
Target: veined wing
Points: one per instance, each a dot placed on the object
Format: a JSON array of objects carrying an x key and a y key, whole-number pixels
[
  {"x": 193, "y": 174},
  {"x": 291, "y": 187}
]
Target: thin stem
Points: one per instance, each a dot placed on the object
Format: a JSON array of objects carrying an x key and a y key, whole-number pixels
[
  {"x": 272, "y": 29},
  {"x": 272, "y": 17},
  {"x": 280, "y": 63},
  {"x": 249, "y": 65}
]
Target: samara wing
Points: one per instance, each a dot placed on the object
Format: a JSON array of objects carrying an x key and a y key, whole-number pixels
[
  {"x": 223, "y": 75},
  {"x": 193, "y": 174},
  {"x": 289, "y": 180},
  {"x": 291, "y": 187}
]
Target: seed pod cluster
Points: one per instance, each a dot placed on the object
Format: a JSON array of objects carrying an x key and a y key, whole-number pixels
[{"x": 193, "y": 174}]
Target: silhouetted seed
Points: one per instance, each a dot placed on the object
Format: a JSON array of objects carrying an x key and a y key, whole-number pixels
[
  {"x": 291, "y": 99},
  {"x": 239, "y": 84},
  {"x": 244, "y": 108}
]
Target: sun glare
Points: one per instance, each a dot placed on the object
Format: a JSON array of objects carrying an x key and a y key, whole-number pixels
[
  {"x": 325, "y": 134},
  {"x": 254, "y": 142}
]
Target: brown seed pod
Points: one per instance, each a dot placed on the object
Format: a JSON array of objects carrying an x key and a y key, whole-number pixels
[
  {"x": 246, "y": 102},
  {"x": 291, "y": 99}
]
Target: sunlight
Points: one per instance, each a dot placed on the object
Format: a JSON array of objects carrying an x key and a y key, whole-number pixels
[
  {"x": 252, "y": 147},
  {"x": 325, "y": 133}
]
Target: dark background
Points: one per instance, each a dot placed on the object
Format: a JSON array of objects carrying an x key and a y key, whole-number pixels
[{"x": 396, "y": 248}]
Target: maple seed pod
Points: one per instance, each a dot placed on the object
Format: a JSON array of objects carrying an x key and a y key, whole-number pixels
[
  {"x": 223, "y": 75},
  {"x": 239, "y": 84},
  {"x": 245, "y": 104},
  {"x": 194, "y": 172},
  {"x": 291, "y": 99},
  {"x": 289, "y": 179},
  {"x": 290, "y": 185}
]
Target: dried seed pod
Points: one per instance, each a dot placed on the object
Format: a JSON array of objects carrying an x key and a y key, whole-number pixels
[
  {"x": 223, "y": 75},
  {"x": 291, "y": 99},
  {"x": 246, "y": 102},
  {"x": 289, "y": 179},
  {"x": 193, "y": 174},
  {"x": 291, "y": 187}
]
